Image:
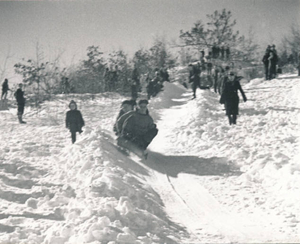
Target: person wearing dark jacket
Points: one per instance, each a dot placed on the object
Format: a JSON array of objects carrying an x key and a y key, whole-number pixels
[
  {"x": 74, "y": 120},
  {"x": 265, "y": 60},
  {"x": 19, "y": 94},
  {"x": 194, "y": 78},
  {"x": 127, "y": 105},
  {"x": 139, "y": 127},
  {"x": 230, "y": 97},
  {"x": 272, "y": 65},
  {"x": 5, "y": 89}
]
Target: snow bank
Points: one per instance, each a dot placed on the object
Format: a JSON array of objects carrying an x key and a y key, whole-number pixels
[{"x": 89, "y": 192}]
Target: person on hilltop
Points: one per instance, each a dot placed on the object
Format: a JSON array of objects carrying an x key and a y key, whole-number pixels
[
  {"x": 126, "y": 106},
  {"x": 265, "y": 61},
  {"x": 299, "y": 63},
  {"x": 230, "y": 96},
  {"x": 272, "y": 62},
  {"x": 139, "y": 127},
  {"x": 74, "y": 120},
  {"x": 19, "y": 95},
  {"x": 5, "y": 89}
]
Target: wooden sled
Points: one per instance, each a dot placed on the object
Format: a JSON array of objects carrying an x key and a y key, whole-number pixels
[{"x": 123, "y": 143}]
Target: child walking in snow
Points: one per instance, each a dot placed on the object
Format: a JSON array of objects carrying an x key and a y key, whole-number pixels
[{"x": 74, "y": 120}]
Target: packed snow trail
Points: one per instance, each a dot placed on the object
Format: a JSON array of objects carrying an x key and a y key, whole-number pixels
[{"x": 200, "y": 127}]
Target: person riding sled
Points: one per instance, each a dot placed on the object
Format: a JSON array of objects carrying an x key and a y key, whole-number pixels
[
  {"x": 126, "y": 106},
  {"x": 139, "y": 128}
]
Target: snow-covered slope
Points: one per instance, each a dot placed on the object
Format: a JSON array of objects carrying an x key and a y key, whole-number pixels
[{"x": 204, "y": 181}]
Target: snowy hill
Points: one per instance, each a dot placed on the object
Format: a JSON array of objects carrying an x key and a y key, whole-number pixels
[{"x": 204, "y": 181}]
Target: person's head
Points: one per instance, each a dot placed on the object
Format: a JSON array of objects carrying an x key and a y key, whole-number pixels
[
  {"x": 5, "y": 80},
  {"x": 20, "y": 85},
  {"x": 73, "y": 105},
  {"x": 227, "y": 68},
  {"x": 231, "y": 76},
  {"x": 127, "y": 106},
  {"x": 143, "y": 105}
]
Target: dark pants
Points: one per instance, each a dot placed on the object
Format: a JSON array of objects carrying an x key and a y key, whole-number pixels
[
  {"x": 21, "y": 109},
  {"x": 4, "y": 94},
  {"x": 232, "y": 119},
  {"x": 196, "y": 84},
  {"x": 267, "y": 72},
  {"x": 73, "y": 136}
]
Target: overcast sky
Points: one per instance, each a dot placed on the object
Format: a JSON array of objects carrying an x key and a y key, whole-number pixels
[{"x": 72, "y": 26}]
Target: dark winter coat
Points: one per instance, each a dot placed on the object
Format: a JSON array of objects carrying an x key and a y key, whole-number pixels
[
  {"x": 121, "y": 120},
  {"x": 19, "y": 94},
  {"x": 265, "y": 59},
  {"x": 74, "y": 120},
  {"x": 272, "y": 64},
  {"x": 139, "y": 128},
  {"x": 137, "y": 124},
  {"x": 230, "y": 96},
  {"x": 5, "y": 87}
]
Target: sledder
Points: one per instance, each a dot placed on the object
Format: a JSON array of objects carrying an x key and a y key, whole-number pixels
[{"x": 137, "y": 130}]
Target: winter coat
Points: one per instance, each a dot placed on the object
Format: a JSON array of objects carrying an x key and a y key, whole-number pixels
[
  {"x": 121, "y": 119},
  {"x": 119, "y": 116},
  {"x": 230, "y": 96},
  {"x": 74, "y": 120},
  {"x": 194, "y": 75},
  {"x": 265, "y": 59},
  {"x": 137, "y": 124},
  {"x": 19, "y": 94},
  {"x": 5, "y": 87}
]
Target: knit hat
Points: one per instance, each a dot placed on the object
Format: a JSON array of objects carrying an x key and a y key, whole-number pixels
[
  {"x": 72, "y": 102},
  {"x": 144, "y": 101}
]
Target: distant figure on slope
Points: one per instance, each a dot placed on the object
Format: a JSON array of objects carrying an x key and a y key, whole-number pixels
[
  {"x": 74, "y": 120},
  {"x": 194, "y": 77},
  {"x": 127, "y": 105},
  {"x": 272, "y": 65},
  {"x": 299, "y": 63},
  {"x": 5, "y": 89},
  {"x": 136, "y": 79},
  {"x": 265, "y": 60},
  {"x": 230, "y": 97},
  {"x": 139, "y": 127},
  {"x": 19, "y": 95}
]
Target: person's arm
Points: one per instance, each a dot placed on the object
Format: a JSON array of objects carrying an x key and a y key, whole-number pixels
[
  {"x": 128, "y": 127},
  {"x": 242, "y": 92},
  {"x": 67, "y": 120},
  {"x": 81, "y": 119}
]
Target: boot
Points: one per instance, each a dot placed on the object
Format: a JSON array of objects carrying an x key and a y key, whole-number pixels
[
  {"x": 234, "y": 119},
  {"x": 20, "y": 119},
  {"x": 230, "y": 119}
]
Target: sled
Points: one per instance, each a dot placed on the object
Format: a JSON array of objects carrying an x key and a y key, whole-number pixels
[
  {"x": 131, "y": 147},
  {"x": 3, "y": 105}
]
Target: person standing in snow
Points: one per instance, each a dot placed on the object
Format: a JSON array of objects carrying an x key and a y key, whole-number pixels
[
  {"x": 194, "y": 77},
  {"x": 74, "y": 120},
  {"x": 139, "y": 127},
  {"x": 5, "y": 89},
  {"x": 230, "y": 97},
  {"x": 19, "y": 95},
  {"x": 299, "y": 63},
  {"x": 127, "y": 105},
  {"x": 272, "y": 61},
  {"x": 265, "y": 60}
]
